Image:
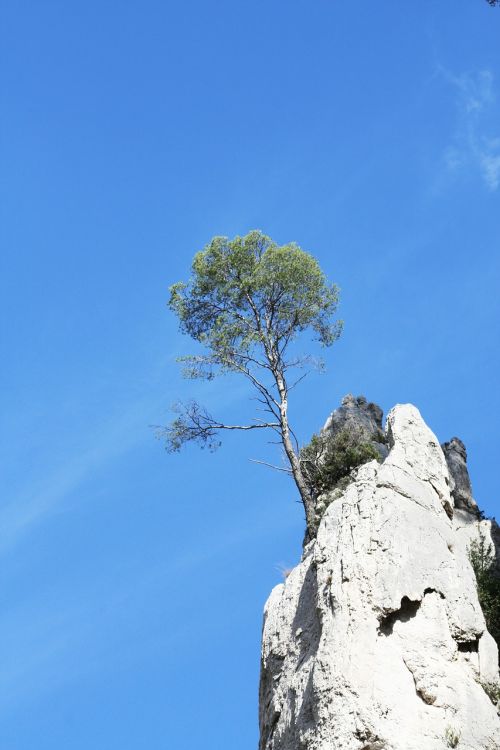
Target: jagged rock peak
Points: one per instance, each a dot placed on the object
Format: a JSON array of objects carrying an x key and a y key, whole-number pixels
[
  {"x": 461, "y": 488},
  {"x": 376, "y": 640},
  {"x": 355, "y": 410},
  {"x": 361, "y": 416}
]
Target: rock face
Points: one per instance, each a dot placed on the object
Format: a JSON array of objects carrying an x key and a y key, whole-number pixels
[
  {"x": 460, "y": 486},
  {"x": 376, "y": 640},
  {"x": 358, "y": 415}
]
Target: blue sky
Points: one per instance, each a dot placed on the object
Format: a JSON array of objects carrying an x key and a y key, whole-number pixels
[{"x": 132, "y": 582}]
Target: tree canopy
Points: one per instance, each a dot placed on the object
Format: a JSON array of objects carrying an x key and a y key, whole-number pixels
[{"x": 246, "y": 303}]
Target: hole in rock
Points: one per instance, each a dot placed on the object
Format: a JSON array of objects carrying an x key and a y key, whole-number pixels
[
  {"x": 468, "y": 647},
  {"x": 407, "y": 610}
]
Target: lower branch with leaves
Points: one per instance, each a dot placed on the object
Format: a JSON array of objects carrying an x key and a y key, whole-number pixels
[{"x": 195, "y": 424}]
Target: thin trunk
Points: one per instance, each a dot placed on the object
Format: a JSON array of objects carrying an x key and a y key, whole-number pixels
[
  {"x": 302, "y": 486},
  {"x": 273, "y": 356}
]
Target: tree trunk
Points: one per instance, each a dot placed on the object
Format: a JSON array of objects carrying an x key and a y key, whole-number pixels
[{"x": 302, "y": 486}]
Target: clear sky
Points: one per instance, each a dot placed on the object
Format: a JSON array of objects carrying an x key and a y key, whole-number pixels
[{"x": 132, "y": 582}]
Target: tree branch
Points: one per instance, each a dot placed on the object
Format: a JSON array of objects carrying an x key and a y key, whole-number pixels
[
  {"x": 195, "y": 424},
  {"x": 220, "y": 426},
  {"x": 298, "y": 380},
  {"x": 271, "y": 466}
]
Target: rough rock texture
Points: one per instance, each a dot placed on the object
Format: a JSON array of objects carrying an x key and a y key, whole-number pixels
[
  {"x": 467, "y": 531},
  {"x": 376, "y": 640},
  {"x": 460, "y": 485},
  {"x": 357, "y": 414}
]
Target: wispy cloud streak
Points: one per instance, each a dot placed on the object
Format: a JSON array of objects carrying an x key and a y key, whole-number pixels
[
  {"x": 476, "y": 140},
  {"x": 61, "y": 635},
  {"x": 45, "y": 495},
  {"x": 25, "y": 507}
]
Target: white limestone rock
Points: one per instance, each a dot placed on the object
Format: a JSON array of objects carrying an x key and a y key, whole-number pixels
[{"x": 376, "y": 640}]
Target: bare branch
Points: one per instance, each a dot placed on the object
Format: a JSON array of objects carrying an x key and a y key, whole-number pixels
[
  {"x": 263, "y": 390},
  {"x": 254, "y": 361},
  {"x": 220, "y": 426},
  {"x": 297, "y": 446},
  {"x": 299, "y": 380},
  {"x": 271, "y": 466}
]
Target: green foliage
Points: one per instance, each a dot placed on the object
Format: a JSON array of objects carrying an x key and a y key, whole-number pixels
[
  {"x": 180, "y": 430},
  {"x": 249, "y": 293},
  {"x": 482, "y": 559},
  {"x": 248, "y": 300},
  {"x": 328, "y": 461},
  {"x": 452, "y": 736},
  {"x": 492, "y": 690}
]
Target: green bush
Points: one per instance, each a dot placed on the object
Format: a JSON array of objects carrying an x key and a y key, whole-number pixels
[
  {"x": 482, "y": 559},
  {"x": 327, "y": 461}
]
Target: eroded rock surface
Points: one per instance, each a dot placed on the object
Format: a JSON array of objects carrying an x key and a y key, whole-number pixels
[
  {"x": 460, "y": 484},
  {"x": 358, "y": 415},
  {"x": 376, "y": 640}
]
